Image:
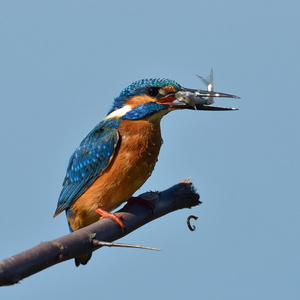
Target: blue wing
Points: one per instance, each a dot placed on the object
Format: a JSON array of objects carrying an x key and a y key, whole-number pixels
[{"x": 87, "y": 162}]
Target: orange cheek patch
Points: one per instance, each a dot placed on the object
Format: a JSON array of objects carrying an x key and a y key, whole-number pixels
[
  {"x": 169, "y": 89},
  {"x": 138, "y": 100}
]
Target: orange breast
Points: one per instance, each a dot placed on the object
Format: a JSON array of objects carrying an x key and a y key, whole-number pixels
[{"x": 133, "y": 163}]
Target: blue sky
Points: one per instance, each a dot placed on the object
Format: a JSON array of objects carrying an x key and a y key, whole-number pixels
[{"x": 61, "y": 65}]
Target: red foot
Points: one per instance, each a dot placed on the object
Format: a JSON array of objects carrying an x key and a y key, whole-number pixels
[
  {"x": 140, "y": 200},
  {"x": 105, "y": 214}
]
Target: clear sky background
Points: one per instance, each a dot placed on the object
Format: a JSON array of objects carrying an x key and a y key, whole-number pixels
[{"x": 61, "y": 65}]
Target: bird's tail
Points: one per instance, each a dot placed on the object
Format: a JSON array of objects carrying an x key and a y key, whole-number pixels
[{"x": 82, "y": 260}]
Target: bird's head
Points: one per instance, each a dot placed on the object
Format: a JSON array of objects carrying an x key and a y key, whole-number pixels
[{"x": 156, "y": 97}]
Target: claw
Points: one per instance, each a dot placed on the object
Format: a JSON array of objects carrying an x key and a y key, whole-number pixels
[
  {"x": 143, "y": 201},
  {"x": 106, "y": 214}
]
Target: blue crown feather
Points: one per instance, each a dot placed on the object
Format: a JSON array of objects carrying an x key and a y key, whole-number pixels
[{"x": 139, "y": 87}]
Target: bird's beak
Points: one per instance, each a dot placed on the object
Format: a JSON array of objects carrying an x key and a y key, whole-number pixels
[{"x": 195, "y": 99}]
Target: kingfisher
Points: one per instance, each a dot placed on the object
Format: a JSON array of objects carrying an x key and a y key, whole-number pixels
[{"x": 116, "y": 158}]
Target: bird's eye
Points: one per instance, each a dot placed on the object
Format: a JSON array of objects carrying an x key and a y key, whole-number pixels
[{"x": 152, "y": 91}]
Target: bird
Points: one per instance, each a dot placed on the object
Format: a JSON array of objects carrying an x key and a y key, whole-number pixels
[{"x": 119, "y": 154}]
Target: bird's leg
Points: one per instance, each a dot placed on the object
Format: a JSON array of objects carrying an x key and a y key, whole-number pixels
[
  {"x": 141, "y": 200},
  {"x": 106, "y": 214}
]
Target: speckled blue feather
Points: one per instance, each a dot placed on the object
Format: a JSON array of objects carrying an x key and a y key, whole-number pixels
[
  {"x": 88, "y": 161},
  {"x": 139, "y": 87},
  {"x": 144, "y": 111}
]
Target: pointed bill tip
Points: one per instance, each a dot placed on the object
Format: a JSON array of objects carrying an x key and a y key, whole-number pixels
[{"x": 213, "y": 108}]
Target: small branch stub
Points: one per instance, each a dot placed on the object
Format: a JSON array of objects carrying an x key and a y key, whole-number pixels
[{"x": 108, "y": 244}]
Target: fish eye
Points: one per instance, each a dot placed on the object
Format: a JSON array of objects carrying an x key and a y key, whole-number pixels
[{"x": 152, "y": 91}]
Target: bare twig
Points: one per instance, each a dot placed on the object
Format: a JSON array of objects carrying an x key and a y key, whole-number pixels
[
  {"x": 108, "y": 244},
  {"x": 80, "y": 242}
]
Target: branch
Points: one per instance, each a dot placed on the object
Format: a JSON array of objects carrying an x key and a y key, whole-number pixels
[{"x": 80, "y": 242}]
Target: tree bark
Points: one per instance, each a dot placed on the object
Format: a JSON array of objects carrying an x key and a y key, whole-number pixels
[{"x": 80, "y": 242}]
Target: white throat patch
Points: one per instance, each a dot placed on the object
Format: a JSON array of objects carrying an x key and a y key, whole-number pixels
[{"x": 120, "y": 112}]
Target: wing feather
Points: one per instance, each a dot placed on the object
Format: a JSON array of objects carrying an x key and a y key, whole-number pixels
[{"x": 88, "y": 161}]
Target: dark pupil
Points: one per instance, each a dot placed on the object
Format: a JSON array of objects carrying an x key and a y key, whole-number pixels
[{"x": 152, "y": 91}]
